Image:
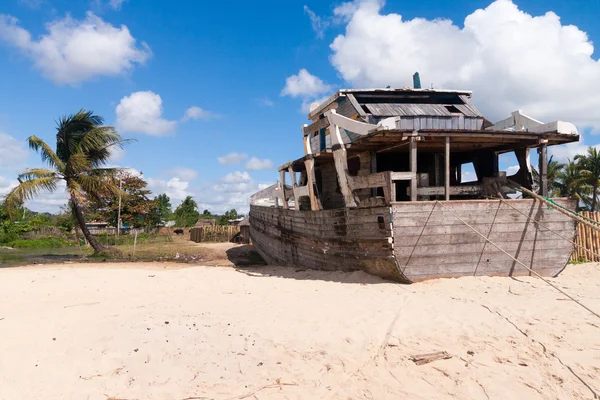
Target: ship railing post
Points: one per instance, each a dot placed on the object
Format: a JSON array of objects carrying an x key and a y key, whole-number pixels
[
  {"x": 294, "y": 187},
  {"x": 447, "y": 169},
  {"x": 282, "y": 187},
  {"x": 543, "y": 166},
  {"x": 413, "y": 169},
  {"x": 341, "y": 164},
  {"x": 313, "y": 191}
]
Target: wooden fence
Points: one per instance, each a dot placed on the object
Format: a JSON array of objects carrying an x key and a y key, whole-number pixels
[
  {"x": 213, "y": 233},
  {"x": 588, "y": 238}
]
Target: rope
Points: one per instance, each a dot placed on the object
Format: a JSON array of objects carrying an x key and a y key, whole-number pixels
[
  {"x": 550, "y": 230},
  {"x": 520, "y": 263},
  {"x": 586, "y": 221}
]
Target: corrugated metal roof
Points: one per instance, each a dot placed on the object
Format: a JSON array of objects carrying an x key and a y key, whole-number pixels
[{"x": 413, "y": 110}]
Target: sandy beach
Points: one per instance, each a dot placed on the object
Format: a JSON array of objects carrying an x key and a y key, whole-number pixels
[{"x": 169, "y": 331}]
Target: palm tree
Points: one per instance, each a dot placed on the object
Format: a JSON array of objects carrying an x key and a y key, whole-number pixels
[
  {"x": 589, "y": 165},
  {"x": 83, "y": 146},
  {"x": 553, "y": 172},
  {"x": 571, "y": 183}
]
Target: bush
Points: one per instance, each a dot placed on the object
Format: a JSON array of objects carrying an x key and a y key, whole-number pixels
[{"x": 43, "y": 243}]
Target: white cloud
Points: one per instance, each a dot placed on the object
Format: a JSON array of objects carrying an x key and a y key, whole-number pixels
[
  {"x": 175, "y": 188},
  {"x": 319, "y": 25},
  {"x": 256, "y": 164},
  {"x": 50, "y": 201},
  {"x": 237, "y": 177},
  {"x": 13, "y": 153},
  {"x": 116, "y": 154},
  {"x": 141, "y": 112},
  {"x": 568, "y": 151},
  {"x": 196, "y": 113},
  {"x": 510, "y": 59},
  {"x": 186, "y": 174},
  {"x": 74, "y": 51},
  {"x": 6, "y": 185},
  {"x": 304, "y": 85},
  {"x": 116, "y": 4},
  {"x": 513, "y": 169},
  {"x": 232, "y": 158}
]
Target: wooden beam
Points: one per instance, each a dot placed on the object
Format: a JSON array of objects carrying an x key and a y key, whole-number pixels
[
  {"x": 447, "y": 168},
  {"x": 316, "y": 126},
  {"x": 356, "y": 105},
  {"x": 313, "y": 191},
  {"x": 340, "y": 160},
  {"x": 294, "y": 188},
  {"x": 413, "y": 168},
  {"x": 282, "y": 187},
  {"x": 543, "y": 168}
]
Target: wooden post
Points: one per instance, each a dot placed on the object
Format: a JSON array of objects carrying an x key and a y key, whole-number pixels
[
  {"x": 282, "y": 183},
  {"x": 313, "y": 191},
  {"x": 543, "y": 168},
  {"x": 373, "y": 155},
  {"x": 413, "y": 168},
  {"x": 447, "y": 168},
  {"x": 341, "y": 164},
  {"x": 436, "y": 170},
  {"x": 294, "y": 188}
]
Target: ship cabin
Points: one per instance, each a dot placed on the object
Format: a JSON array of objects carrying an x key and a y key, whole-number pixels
[{"x": 374, "y": 147}]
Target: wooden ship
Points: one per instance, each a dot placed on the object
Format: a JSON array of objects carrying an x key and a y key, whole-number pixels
[{"x": 380, "y": 189}]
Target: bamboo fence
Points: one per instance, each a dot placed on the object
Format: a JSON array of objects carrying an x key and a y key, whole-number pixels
[
  {"x": 213, "y": 233},
  {"x": 588, "y": 239}
]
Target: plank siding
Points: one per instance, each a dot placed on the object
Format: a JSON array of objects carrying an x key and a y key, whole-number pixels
[
  {"x": 414, "y": 241},
  {"x": 431, "y": 242},
  {"x": 344, "y": 239}
]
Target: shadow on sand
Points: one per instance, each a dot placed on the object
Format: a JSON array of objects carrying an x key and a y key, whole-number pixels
[{"x": 247, "y": 261}]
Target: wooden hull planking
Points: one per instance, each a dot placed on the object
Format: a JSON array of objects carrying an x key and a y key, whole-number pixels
[{"x": 413, "y": 241}]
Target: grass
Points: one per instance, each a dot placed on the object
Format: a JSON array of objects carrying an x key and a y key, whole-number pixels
[{"x": 42, "y": 243}]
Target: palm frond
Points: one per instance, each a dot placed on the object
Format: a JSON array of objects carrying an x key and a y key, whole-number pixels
[
  {"x": 33, "y": 173},
  {"x": 99, "y": 142},
  {"x": 71, "y": 129},
  {"x": 29, "y": 189},
  {"x": 47, "y": 154}
]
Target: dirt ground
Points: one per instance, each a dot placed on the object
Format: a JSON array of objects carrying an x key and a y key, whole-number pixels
[{"x": 178, "y": 331}]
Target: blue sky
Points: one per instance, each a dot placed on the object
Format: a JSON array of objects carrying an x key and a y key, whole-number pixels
[{"x": 194, "y": 83}]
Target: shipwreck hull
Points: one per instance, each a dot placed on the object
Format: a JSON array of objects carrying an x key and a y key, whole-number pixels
[{"x": 413, "y": 241}]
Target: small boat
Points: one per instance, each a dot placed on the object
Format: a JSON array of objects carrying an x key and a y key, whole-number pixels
[{"x": 405, "y": 184}]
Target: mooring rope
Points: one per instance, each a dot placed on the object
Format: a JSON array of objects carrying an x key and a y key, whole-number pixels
[
  {"x": 550, "y": 230},
  {"x": 520, "y": 263}
]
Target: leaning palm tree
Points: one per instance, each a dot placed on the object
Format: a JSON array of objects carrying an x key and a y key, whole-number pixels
[
  {"x": 83, "y": 146},
  {"x": 589, "y": 165}
]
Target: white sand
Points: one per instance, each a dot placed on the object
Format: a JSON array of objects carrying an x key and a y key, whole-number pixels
[{"x": 98, "y": 332}]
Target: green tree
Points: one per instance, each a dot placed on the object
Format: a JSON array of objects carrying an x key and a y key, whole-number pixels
[
  {"x": 137, "y": 210},
  {"x": 589, "y": 165},
  {"x": 186, "y": 214},
  {"x": 83, "y": 146},
  {"x": 163, "y": 209}
]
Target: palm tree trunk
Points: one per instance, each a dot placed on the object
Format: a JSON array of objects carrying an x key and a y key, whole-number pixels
[{"x": 86, "y": 232}]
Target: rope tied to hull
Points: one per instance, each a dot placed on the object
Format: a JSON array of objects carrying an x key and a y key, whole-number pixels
[{"x": 519, "y": 262}]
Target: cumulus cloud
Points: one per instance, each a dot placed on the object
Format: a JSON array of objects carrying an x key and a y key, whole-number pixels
[
  {"x": 319, "y": 25},
  {"x": 256, "y": 164},
  {"x": 307, "y": 87},
  {"x": 74, "y": 51},
  {"x": 116, "y": 154},
  {"x": 232, "y": 158},
  {"x": 175, "y": 188},
  {"x": 6, "y": 185},
  {"x": 196, "y": 113},
  {"x": 186, "y": 174},
  {"x": 13, "y": 153},
  {"x": 509, "y": 58},
  {"x": 568, "y": 151},
  {"x": 236, "y": 177},
  {"x": 50, "y": 202},
  {"x": 141, "y": 112}
]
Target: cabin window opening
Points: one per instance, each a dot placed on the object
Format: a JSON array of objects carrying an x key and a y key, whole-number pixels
[
  {"x": 381, "y": 221},
  {"x": 467, "y": 173},
  {"x": 353, "y": 166},
  {"x": 453, "y": 110},
  {"x": 319, "y": 179}
]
